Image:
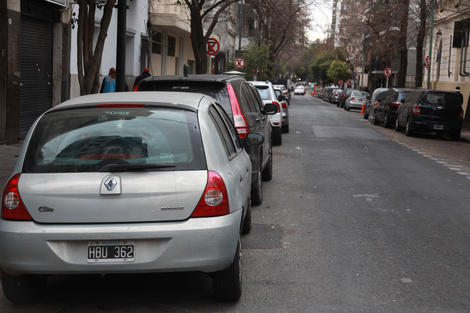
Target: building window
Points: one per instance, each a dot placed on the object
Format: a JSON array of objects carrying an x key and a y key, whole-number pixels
[
  {"x": 157, "y": 43},
  {"x": 171, "y": 46}
]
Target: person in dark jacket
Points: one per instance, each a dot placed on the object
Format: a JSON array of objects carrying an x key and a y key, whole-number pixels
[{"x": 145, "y": 74}]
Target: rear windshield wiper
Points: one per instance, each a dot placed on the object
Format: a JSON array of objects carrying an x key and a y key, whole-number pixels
[{"x": 133, "y": 167}]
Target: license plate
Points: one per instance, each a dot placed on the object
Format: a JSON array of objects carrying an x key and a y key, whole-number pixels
[
  {"x": 439, "y": 127},
  {"x": 110, "y": 251}
]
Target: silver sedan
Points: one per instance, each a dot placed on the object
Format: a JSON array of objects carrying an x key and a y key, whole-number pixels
[{"x": 127, "y": 183}]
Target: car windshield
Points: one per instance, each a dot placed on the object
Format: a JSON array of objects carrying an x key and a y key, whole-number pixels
[
  {"x": 86, "y": 140},
  {"x": 442, "y": 98},
  {"x": 264, "y": 92}
]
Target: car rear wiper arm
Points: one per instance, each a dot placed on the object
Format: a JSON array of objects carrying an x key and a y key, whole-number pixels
[{"x": 133, "y": 167}]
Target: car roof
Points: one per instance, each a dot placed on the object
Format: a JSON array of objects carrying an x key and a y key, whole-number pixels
[{"x": 187, "y": 99}]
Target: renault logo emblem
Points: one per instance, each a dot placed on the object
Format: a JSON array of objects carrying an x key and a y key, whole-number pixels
[{"x": 110, "y": 183}]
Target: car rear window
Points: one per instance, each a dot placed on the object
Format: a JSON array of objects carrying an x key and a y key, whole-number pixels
[
  {"x": 402, "y": 95},
  {"x": 86, "y": 140},
  {"x": 264, "y": 92},
  {"x": 442, "y": 98},
  {"x": 216, "y": 90}
]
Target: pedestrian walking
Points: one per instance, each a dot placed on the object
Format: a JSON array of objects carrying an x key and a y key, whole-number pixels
[
  {"x": 145, "y": 74},
  {"x": 109, "y": 82}
]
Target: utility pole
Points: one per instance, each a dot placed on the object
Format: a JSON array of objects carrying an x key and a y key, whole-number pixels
[{"x": 121, "y": 46}]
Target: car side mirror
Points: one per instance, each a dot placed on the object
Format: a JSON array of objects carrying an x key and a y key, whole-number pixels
[
  {"x": 270, "y": 109},
  {"x": 254, "y": 139}
]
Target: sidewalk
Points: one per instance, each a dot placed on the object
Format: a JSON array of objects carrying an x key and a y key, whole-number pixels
[{"x": 9, "y": 155}]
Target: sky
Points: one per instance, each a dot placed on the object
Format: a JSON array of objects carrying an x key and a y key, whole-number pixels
[{"x": 321, "y": 19}]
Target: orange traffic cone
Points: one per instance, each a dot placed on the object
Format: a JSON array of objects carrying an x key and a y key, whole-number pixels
[{"x": 363, "y": 107}]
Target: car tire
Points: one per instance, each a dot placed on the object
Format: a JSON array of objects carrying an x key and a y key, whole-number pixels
[
  {"x": 285, "y": 129},
  {"x": 387, "y": 120},
  {"x": 227, "y": 284},
  {"x": 246, "y": 229},
  {"x": 277, "y": 139},
  {"x": 268, "y": 170},
  {"x": 257, "y": 191},
  {"x": 455, "y": 136},
  {"x": 397, "y": 126},
  {"x": 366, "y": 116},
  {"x": 408, "y": 130},
  {"x": 23, "y": 289}
]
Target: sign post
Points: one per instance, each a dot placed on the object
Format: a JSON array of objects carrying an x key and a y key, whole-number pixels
[{"x": 387, "y": 73}]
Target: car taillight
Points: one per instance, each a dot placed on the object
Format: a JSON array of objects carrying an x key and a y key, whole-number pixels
[
  {"x": 416, "y": 110},
  {"x": 344, "y": 96},
  {"x": 376, "y": 103},
  {"x": 12, "y": 205},
  {"x": 395, "y": 104},
  {"x": 119, "y": 105},
  {"x": 214, "y": 200},
  {"x": 239, "y": 120},
  {"x": 352, "y": 99},
  {"x": 461, "y": 114},
  {"x": 284, "y": 105},
  {"x": 278, "y": 106}
]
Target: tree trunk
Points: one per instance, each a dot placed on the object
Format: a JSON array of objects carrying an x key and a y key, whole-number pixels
[
  {"x": 402, "y": 45},
  {"x": 89, "y": 59},
  {"x": 420, "y": 44}
]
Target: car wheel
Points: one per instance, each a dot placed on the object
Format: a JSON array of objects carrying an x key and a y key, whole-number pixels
[
  {"x": 375, "y": 121},
  {"x": 23, "y": 289},
  {"x": 268, "y": 170},
  {"x": 455, "y": 136},
  {"x": 408, "y": 130},
  {"x": 387, "y": 120},
  {"x": 246, "y": 229},
  {"x": 277, "y": 139},
  {"x": 285, "y": 128},
  {"x": 397, "y": 126},
  {"x": 257, "y": 191},
  {"x": 227, "y": 284}
]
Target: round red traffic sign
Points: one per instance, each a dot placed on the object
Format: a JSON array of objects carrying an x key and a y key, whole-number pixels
[
  {"x": 213, "y": 46},
  {"x": 239, "y": 62},
  {"x": 427, "y": 62},
  {"x": 388, "y": 71},
  {"x": 340, "y": 82},
  {"x": 349, "y": 82}
]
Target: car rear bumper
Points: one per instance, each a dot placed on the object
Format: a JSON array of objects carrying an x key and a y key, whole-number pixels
[
  {"x": 435, "y": 127},
  {"x": 197, "y": 244}
]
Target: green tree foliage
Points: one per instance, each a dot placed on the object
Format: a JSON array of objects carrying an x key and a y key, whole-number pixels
[{"x": 338, "y": 70}]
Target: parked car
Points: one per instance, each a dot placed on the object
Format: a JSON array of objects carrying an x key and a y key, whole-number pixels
[
  {"x": 285, "y": 92},
  {"x": 373, "y": 101},
  {"x": 386, "y": 111},
  {"x": 328, "y": 93},
  {"x": 299, "y": 90},
  {"x": 356, "y": 100},
  {"x": 285, "y": 109},
  {"x": 431, "y": 111},
  {"x": 266, "y": 91},
  {"x": 335, "y": 95},
  {"x": 127, "y": 183},
  {"x": 343, "y": 96},
  {"x": 242, "y": 103}
]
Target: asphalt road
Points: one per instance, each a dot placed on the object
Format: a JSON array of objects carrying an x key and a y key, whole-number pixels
[{"x": 357, "y": 218}]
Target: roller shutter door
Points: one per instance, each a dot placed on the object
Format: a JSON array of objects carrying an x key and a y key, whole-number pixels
[{"x": 36, "y": 70}]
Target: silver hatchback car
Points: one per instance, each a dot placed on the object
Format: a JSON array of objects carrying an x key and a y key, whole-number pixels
[{"x": 127, "y": 183}]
